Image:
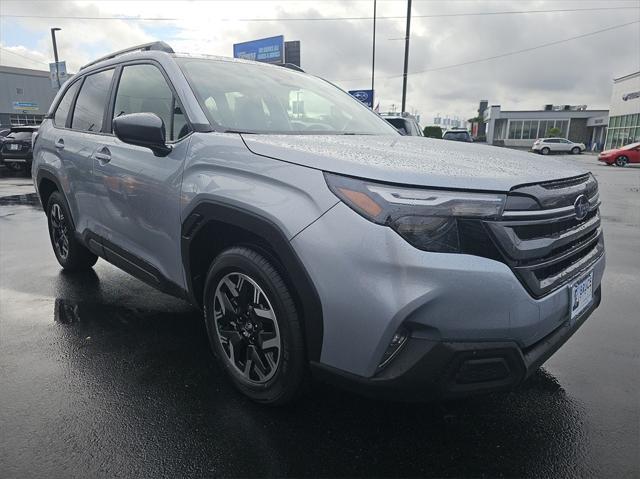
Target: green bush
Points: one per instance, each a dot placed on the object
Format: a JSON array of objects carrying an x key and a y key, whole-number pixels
[{"x": 433, "y": 132}]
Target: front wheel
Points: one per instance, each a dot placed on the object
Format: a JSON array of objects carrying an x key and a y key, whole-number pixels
[
  {"x": 70, "y": 253},
  {"x": 253, "y": 326},
  {"x": 622, "y": 161},
  {"x": 575, "y": 150},
  {"x": 545, "y": 151}
]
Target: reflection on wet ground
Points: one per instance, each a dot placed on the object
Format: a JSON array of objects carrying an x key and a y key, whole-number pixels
[{"x": 29, "y": 199}]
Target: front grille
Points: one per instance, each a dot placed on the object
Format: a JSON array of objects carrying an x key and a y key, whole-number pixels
[{"x": 548, "y": 247}]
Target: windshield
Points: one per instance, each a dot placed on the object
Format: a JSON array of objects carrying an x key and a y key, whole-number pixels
[
  {"x": 631, "y": 146},
  {"x": 243, "y": 97}
]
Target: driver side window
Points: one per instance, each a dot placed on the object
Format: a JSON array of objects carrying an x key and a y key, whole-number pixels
[{"x": 143, "y": 88}]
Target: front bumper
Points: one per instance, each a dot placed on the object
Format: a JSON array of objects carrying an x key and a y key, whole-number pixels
[
  {"x": 433, "y": 370},
  {"x": 371, "y": 282}
]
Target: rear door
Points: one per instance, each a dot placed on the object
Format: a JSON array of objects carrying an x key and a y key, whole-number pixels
[
  {"x": 139, "y": 193},
  {"x": 77, "y": 129}
]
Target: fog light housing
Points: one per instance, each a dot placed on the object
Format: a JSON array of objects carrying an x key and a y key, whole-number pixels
[{"x": 395, "y": 346}]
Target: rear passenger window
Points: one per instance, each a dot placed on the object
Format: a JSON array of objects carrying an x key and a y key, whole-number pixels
[
  {"x": 92, "y": 102},
  {"x": 142, "y": 88},
  {"x": 62, "y": 112}
]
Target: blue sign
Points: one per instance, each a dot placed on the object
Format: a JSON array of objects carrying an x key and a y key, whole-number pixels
[
  {"x": 365, "y": 96},
  {"x": 267, "y": 50}
]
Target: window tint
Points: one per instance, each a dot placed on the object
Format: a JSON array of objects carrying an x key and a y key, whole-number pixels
[
  {"x": 62, "y": 112},
  {"x": 92, "y": 102},
  {"x": 142, "y": 88}
]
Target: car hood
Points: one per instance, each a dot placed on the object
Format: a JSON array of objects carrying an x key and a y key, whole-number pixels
[{"x": 413, "y": 160}]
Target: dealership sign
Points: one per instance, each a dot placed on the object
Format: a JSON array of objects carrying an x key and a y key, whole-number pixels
[
  {"x": 631, "y": 96},
  {"x": 25, "y": 106},
  {"x": 267, "y": 50},
  {"x": 365, "y": 96}
]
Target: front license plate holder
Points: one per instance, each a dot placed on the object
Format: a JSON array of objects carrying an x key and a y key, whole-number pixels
[{"x": 581, "y": 294}]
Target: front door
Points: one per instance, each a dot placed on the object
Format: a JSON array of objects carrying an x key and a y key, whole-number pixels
[{"x": 140, "y": 192}]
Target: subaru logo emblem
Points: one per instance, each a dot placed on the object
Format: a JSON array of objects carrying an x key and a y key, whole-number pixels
[
  {"x": 581, "y": 207},
  {"x": 361, "y": 95}
]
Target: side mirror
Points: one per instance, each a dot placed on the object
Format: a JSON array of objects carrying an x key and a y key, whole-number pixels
[{"x": 142, "y": 129}]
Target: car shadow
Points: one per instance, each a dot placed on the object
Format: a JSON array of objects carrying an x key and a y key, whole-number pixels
[{"x": 151, "y": 367}]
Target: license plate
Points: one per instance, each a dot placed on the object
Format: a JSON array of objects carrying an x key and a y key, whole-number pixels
[
  {"x": 14, "y": 147},
  {"x": 581, "y": 294}
]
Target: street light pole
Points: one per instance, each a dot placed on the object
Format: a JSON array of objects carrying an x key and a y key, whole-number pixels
[
  {"x": 373, "y": 57},
  {"x": 55, "y": 53},
  {"x": 406, "y": 58}
]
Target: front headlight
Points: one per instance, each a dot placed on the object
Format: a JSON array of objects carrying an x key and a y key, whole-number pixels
[{"x": 426, "y": 218}]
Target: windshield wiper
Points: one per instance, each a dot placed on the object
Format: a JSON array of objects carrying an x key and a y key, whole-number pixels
[{"x": 242, "y": 132}]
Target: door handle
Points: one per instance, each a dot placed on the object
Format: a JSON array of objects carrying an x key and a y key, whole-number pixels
[
  {"x": 103, "y": 155},
  {"x": 59, "y": 144}
]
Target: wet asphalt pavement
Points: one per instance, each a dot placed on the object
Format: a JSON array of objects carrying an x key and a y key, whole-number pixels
[{"x": 101, "y": 376}]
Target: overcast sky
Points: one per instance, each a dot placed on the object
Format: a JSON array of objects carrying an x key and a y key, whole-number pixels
[{"x": 574, "y": 72}]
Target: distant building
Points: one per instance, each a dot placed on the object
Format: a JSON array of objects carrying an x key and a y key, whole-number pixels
[
  {"x": 624, "y": 111},
  {"x": 25, "y": 96},
  {"x": 521, "y": 128}
]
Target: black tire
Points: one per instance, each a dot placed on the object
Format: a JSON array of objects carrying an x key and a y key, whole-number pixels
[
  {"x": 289, "y": 374},
  {"x": 70, "y": 253},
  {"x": 575, "y": 150},
  {"x": 545, "y": 151},
  {"x": 622, "y": 161}
]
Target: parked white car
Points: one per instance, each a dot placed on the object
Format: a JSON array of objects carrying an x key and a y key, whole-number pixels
[{"x": 545, "y": 146}]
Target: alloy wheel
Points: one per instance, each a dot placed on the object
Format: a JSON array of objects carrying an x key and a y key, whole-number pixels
[
  {"x": 59, "y": 231},
  {"x": 247, "y": 328}
]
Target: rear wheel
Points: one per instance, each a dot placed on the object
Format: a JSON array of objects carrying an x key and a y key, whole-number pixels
[
  {"x": 70, "y": 253},
  {"x": 575, "y": 150},
  {"x": 545, "y": 151},
  {"x": 622, "y": 161},
  {"x": 253, "y": 326}
]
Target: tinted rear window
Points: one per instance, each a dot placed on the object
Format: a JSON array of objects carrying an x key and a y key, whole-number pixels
[
  {"x": 92, "y": 102},
  {"x": 456, "y": 135},
  {"x": 62, "y": 112}
]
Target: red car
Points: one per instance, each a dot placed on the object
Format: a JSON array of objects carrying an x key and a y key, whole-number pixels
[{"x": 621, "y": 156}]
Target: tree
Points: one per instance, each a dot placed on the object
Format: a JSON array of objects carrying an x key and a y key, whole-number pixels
[
  {"x": 433, "y": 132},
  {"x": 554, "y": 132}
]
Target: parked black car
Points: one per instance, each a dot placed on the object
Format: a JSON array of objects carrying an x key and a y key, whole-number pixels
[{"x": 16, "y": 148}]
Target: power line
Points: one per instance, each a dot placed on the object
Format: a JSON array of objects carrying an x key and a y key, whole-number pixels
[
  {"x": 507, "y": 54},
  {"x": 324, "y": 19},
  {"x": 24, "y": 56}
]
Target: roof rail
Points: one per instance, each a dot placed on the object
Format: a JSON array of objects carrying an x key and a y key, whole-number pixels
[
  {"x": 156, "y": 46},
  {"x": 291, "y": 66}
]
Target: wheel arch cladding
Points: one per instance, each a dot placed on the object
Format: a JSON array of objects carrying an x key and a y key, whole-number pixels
[
  {"x": 212, "y": 227},
  {"x": 47, "y": 184}
]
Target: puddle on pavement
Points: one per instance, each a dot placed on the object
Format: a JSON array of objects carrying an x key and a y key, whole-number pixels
[{"x": 29, "y": 199}]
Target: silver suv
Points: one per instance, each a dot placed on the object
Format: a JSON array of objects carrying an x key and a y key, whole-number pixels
[{"x": 314, "y": 237}]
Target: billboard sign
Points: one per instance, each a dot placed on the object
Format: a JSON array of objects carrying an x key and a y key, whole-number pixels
[
  {"x": 365, "y": 96},
  {"x": 267, "y": 50},
  {"x": 62, "y": 74}
]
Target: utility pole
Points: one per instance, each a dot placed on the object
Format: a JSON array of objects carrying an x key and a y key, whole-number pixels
[
  {"x": 373, "y": 57},
  {"x": 406, "y": 58},
  {"x": 55, "y": 53}
]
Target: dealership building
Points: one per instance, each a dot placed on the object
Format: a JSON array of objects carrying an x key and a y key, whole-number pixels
[
  {"x": 624, "y": 112},
  {"x": 521, "y": 128},
  {"x": 25, "y": 96}
]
